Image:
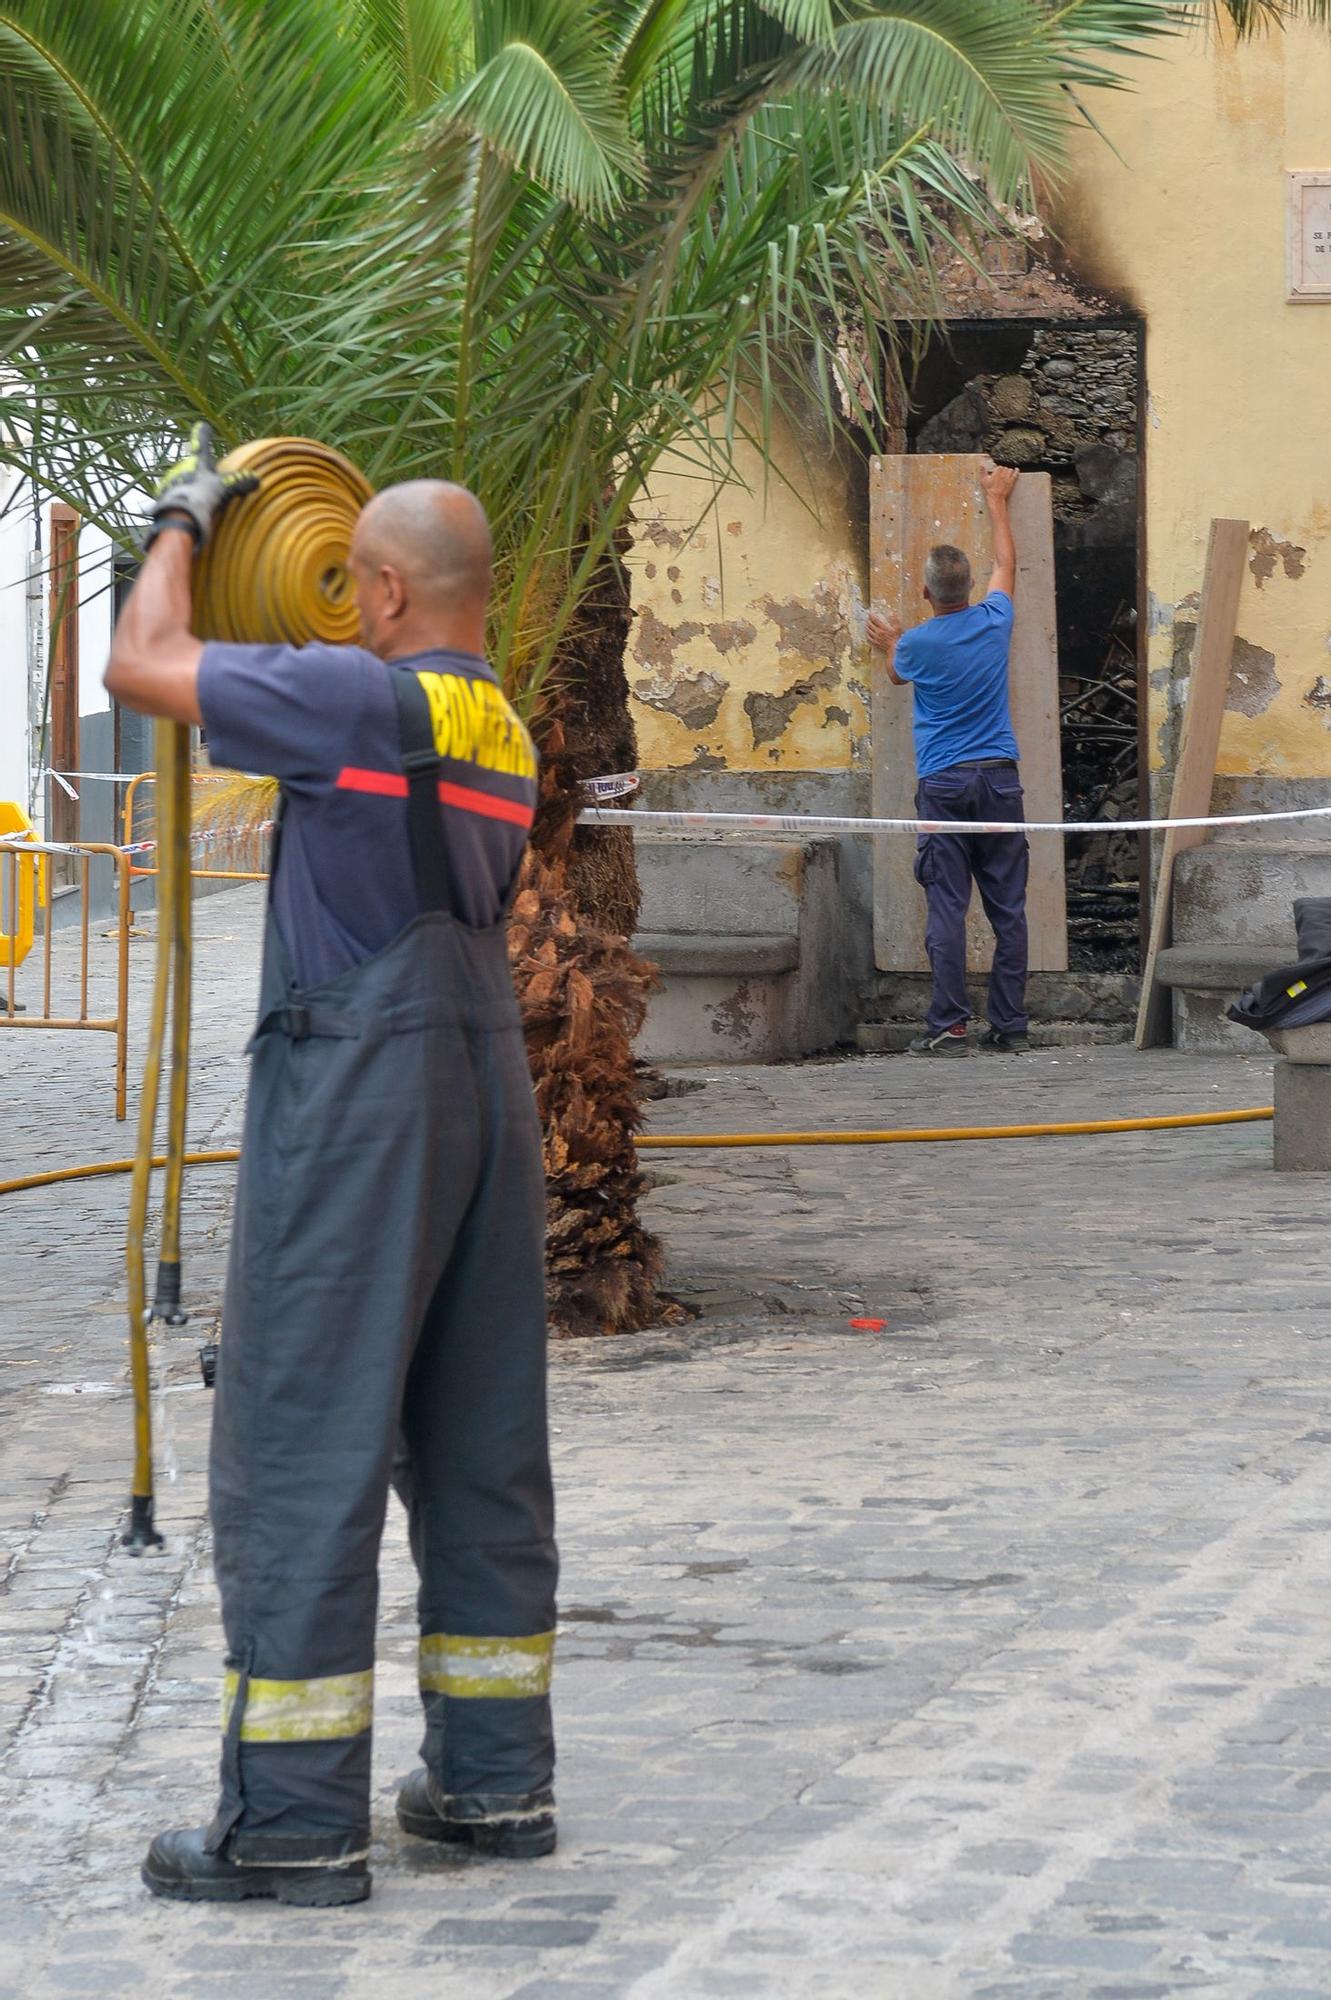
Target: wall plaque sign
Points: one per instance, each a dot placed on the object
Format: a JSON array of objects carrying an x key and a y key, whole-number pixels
[{"x": 1308, "y": 237}]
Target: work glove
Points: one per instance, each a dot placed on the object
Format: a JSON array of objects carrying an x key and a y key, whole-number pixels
[{"x": 194, "y": 487}]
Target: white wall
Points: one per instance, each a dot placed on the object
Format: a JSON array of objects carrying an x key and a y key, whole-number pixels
[{"x": 23, "y": 643}]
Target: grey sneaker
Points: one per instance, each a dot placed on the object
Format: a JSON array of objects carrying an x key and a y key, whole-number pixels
[
  {"x": 948, "y": 1042},
  {"x": 1004, "y": 1045}
]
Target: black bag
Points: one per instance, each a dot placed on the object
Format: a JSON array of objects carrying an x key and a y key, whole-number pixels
[{"x": 1299, "y": 994}]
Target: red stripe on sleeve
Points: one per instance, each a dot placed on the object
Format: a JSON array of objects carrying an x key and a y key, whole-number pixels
[
  {"x": 391, "y": 784},
  {"x": 487, "y": 803}
]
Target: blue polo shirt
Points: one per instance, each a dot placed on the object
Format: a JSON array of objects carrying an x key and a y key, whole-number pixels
[
  {"x": 957, "y": 666},
  {"x": 324, "y": 721}
]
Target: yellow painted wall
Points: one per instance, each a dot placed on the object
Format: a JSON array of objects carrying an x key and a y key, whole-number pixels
[
  {"x": 746, "y": 653},
  {"x": 1188, "y": 227}
]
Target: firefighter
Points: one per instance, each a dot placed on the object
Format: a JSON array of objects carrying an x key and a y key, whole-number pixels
[{"x": 385, "y": 1300}]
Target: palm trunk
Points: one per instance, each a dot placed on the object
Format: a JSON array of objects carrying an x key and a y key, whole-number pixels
[
  {"x": 590, "y": 734},
  {"x": 583, "y": 990}
]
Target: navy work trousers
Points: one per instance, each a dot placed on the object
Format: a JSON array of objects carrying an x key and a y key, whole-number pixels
[
  {"x": 385, "y": 1317},
  {"x": 946, "y": 864}
]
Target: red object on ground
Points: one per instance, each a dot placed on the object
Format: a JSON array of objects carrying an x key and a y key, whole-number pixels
[{"x": 868, "y": 1325}]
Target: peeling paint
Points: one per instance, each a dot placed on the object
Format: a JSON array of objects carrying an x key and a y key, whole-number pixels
[
  {"x": 1253, "y": 685},
  {"x": 1253, "y": 682},
  {"x": 655, "y": 643},
  {"x": 1319, "y": 695},
  {"x": 695, "y": 699},
  {"x": 816, "y": 631},
  {"x": 1267, "y": 552},
  {"x": 769, "y": 713},
  {"x": 1159, "y": 615},
  {"x": 754, "y": 620},
  {"x": 661, "y": 535},
  {"x": 731, "y": 633}
]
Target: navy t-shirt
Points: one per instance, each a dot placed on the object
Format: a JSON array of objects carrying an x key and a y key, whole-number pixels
[
  {"x": 957, "y": 667},
  {"x": 323, "y": 720}
]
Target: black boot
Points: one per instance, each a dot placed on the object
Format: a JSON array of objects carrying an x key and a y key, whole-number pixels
[
  {"x": 179, "y": 1866},
  {"x": 515, "y": 1829}
]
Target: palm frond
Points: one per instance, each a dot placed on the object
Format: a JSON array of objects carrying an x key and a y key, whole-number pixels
[
  {"x": 426, "y": 44},
  {"x": 544, "y": 96}
]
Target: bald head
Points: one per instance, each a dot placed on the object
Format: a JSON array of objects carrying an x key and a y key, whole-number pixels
[
  {"x": 420, "y": 558},
  {"x": 434, "y": 534}
]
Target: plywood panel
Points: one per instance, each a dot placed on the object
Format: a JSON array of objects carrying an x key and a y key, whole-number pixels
[
  {"x": 916, "y": 502},
  {"x": 1199, "y": 745}
]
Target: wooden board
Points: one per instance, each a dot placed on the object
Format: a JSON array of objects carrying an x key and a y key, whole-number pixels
[
  {"x": 915, "y": 503},
  {"x": 1199, "y": 745}
]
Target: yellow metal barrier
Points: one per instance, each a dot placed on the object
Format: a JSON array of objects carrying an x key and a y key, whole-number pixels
[
  {"x": 15, "y": 861},
  {"x": 245, "y": 847},
  {"x": 24, "y": 890}
]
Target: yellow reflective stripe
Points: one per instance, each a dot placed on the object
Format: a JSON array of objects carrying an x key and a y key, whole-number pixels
[
  {"x": 490, "y": 1669},
  {"x": 317, "y": 1711}
]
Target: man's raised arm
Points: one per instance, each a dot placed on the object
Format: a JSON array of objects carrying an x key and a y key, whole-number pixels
[
  {"x": 997, "y": 482},
  {"x": 154, "y": 663}
]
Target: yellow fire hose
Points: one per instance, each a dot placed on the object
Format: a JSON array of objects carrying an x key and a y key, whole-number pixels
[
  {"x": 275, "y": 572},
  {"x": 141, "y": 1533},
  {"x": 934, "y": 1135},
  {"x": 701, "y": 1141}
]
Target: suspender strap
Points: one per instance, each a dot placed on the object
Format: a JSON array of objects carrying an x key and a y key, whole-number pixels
[
  {"x": 275, "y": 843},
  {"x": 420, "y": 761}
]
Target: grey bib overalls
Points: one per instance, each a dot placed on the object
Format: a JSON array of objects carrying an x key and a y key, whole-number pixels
[{"x": 385, "y": 1318}]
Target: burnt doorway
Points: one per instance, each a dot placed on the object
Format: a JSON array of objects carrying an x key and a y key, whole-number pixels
[{"x": 1065, "y": 396}]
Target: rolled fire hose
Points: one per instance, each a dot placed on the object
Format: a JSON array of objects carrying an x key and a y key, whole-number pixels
[{"x": 274, "y": 573}]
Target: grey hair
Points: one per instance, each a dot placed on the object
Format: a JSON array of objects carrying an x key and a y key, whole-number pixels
[{"x": 947, "y": 577}]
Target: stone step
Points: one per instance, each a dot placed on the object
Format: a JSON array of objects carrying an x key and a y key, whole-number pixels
[
  {"x": 1221, "y": 968},
  {"x": 736, "y": 954}
]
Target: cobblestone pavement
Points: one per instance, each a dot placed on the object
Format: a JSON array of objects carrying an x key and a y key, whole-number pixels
[{"x": 985, "y": 1655}]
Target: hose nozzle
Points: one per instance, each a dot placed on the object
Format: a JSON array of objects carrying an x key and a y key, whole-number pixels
[{"x": 141, "y": 1535}]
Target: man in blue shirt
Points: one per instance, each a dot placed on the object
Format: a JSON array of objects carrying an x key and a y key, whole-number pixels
[{"x": 956, "y": 664}]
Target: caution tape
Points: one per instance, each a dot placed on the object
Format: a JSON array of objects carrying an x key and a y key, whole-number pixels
[
  {"x": 723, "y": 822},
  {"x": 617, "y": 786},
  {"x": 620, "y": 784},
  {"x": 200, "y": 837}
]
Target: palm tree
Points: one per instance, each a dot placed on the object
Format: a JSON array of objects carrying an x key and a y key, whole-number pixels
[{"x": 533, "y": 245}]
